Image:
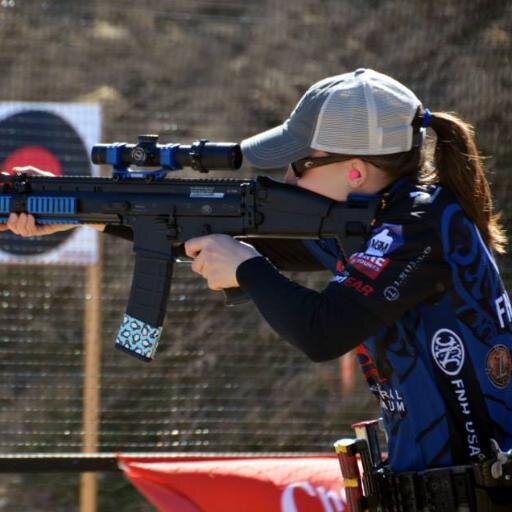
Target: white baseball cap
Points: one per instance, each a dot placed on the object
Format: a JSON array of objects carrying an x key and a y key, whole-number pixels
[{"x": 358, "y": 113}]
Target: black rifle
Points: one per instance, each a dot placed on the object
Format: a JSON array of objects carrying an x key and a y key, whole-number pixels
[{"x": 164, "y": 213}]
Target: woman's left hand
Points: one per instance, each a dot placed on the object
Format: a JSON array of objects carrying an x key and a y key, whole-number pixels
[{"x": 216, "y": 258}]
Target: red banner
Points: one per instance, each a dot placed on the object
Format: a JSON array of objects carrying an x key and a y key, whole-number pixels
[{"x": 235, "y": 484}]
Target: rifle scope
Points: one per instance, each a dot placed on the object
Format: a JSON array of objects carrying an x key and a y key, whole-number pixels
[{"x": 201, "y": 155}]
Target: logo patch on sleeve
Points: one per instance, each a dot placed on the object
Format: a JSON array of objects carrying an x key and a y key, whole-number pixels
[
  {"x": 422, "y": 197},
  {"x": 498, "y": 366},
  {"x": 448, "y": 351},
  {"x": 370, "y": 266},
  {"x": 386, "y": 238},
  {"x": 358, "y": 285}
]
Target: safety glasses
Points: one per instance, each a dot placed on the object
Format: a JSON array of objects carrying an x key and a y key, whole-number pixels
[{"x": 299, "y": 167}]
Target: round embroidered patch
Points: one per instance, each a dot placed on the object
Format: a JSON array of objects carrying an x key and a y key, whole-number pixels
[
  {"x": 448, "y": 351},
  {"x": 498, "y": 366}
]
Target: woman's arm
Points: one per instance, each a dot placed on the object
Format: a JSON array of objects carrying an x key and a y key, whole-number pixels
[{"x": 324, "y": 325}]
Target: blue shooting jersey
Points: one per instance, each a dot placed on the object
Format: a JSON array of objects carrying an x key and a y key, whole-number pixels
[
  {"x": 440, "y": 363},
  {"x": 423, "y": 304}
]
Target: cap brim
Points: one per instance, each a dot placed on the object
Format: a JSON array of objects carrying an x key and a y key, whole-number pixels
[{"x": 274, "y": 148}]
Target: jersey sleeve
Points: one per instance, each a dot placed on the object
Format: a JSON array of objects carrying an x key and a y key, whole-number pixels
[
  {"x": 398, "y": 267},
  {"x": 324, "y": 325}
]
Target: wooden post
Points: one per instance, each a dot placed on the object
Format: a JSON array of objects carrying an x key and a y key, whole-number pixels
[{"x": 92, "y": 374}]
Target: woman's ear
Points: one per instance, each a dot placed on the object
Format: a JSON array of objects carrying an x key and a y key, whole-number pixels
[{"x": 357, "y": 173}]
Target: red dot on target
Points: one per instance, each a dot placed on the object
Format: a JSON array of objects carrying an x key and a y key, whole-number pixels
[{"x": 36, "y": 156}]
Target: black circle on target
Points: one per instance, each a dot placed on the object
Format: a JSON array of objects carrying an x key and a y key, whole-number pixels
[{"x": 47, "y": 141}]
